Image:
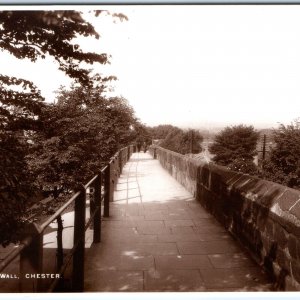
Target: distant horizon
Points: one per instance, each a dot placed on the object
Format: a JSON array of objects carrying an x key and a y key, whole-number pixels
[{"x": 217, "y": 126}]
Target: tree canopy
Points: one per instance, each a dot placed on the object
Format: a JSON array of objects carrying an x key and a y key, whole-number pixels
[
  {"x": 161, "y": 131},
  {"x": 183, "y": 142},
  {"x": 80, "y": 133},
  {"x": 35, "y": 34},
  {"x": 235, "y": 147},
  {"x": 283, "y": 164},
  {"x": 36, "y": 135}
]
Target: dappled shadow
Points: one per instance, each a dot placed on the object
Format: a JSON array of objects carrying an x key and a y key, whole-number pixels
[
  {"x": 167, "y": 241},
  {"x": 129, "y": 258},
  {"x": 244, "y": 204}
]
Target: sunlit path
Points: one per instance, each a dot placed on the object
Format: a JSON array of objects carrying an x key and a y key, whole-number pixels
[{"x": 159, "y": 238}]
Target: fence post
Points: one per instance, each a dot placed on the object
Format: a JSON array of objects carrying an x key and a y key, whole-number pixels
[
  {"x": 128, "y": 152},
  {"x": 97, "y": 206},
  {"x": 31, "y": 260},
  {"x": 154, "y": 155},
  {"x": 79, "y": 237},
  {"x": 113, "y": 173},
  {"x": 120, "y": 164},
  {"x": 107, "y": 190}
]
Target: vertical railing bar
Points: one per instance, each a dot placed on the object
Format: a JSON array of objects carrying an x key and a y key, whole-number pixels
[
  {"x": 31, "y": 260},
  {"x": 79, "y": 237},
  {"x": 107, "y": 190},
  {"x": 31, "y": 256},
  {"x": 97, "y": 204}
]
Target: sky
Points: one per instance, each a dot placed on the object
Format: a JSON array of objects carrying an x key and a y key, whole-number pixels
[{"x": 194, "y": 66}]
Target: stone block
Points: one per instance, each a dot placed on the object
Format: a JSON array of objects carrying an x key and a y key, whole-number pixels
[
  {"x": 241, "y": 182},
  {"x": 282, "y": 259},
  {"x": 114, "y": 281},
  {"x": 288, "y": 199},
  {"x": 249, "y": 186},
  {"x": 181, "y": 229},
  {"x": 293, "y": 247},
  {"x": 268, "y": 193},
  {"x": 296, "y": 210},
  {"x": 223, "y": 172},
  {"x": 181, "y": 262},
  {"x": 241, "y": 277},
  {"x": 123, "y": 263},
  {"x": 269, "y": 229},
  {"x": 262, "y": 218},
  {"x": 173, "y": 281},
  {"x": 215, "y": 182},
  {"x": 179, "y": 223},
  {"x": 208, "y": 247},
  {"x": 232, "y": 260},
  {"x": 296, "y": 270},
  {"x": 184, "y": 237},
  {"x": 290, "y": 285},
  {"x": 204, "y": 176}
]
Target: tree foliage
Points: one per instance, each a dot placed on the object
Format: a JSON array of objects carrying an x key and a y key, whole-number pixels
[
  {"x": 235, "y": 147},
  {"x": 15, "y": 186},
  {"x": 161, "y": 131},
  {"x": 80, "y": 133},
  {"x": 35, "y": 34},
  {"x": 183, "y": 142},
  {"x": 20, "y": 108},
  {"x": 28, "y": 124},
  {"x": 283, "y": 164}
]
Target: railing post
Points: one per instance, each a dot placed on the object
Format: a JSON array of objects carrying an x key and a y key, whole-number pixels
[
  {"x": 120, "y": 158},
  {"x": 154, "y": 153},
  {"x": 112, "y": 179},
  {"x": 128, "y": 152},
  {"x": 31, "y": 261},
  {"x": 107, "y": 190},
  {"x": 97, "y": 207},
  {"x": 79, "y": 237}
]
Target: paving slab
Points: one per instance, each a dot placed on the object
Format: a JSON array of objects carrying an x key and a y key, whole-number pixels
[
  {"x": 182, "y": 262},
  {"x": 208, "y": 247},
  {"x": 173, "y": 280},
  {"x": 114, "y": 281},
  {"x": 243, "y": 278},
  {"x": 159, "y": 238}
]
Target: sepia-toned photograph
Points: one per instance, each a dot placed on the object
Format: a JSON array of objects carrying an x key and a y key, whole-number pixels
[{"x": 150, "y": 148}]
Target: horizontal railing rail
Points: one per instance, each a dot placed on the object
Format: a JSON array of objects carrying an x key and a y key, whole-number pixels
[{"x": 96, "y": 193}]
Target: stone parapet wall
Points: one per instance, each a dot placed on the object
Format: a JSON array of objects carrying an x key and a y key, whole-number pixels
[
  {"x": 262, "y": 215},
  {"x": 183, "y": 169}
]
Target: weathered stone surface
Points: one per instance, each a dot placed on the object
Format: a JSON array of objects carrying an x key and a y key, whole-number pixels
[
  {"x": 182, "y": 262},
  {"x": 296, "y": 270},
  {"x": 174, "y": 280},
  {"x": 208, "y": 247},
  {"x": 114, "y": 281},
  {"x": 232, "y": 260},
  {"x": 204, "y": 176},
  {"x": 263, "y": 215},
  {"x": 240, "y": 277},
  {"x": 179, "y": 223},
  {"x": 295, "y": 211},
  {"x": 123, "y": 263},
  {"x": 280, "y": 235},
  {"x": 293, "y": 247},
  {"x": 282, "y": 259}
]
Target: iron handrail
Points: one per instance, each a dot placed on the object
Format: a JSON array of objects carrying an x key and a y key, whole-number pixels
[{"x": 104, "y": 196}]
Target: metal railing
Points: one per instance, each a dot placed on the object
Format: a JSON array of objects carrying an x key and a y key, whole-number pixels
[{"x": 30, "y": 251}]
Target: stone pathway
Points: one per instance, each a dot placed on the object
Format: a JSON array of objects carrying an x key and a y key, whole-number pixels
[{"x": 159, "y": 238}]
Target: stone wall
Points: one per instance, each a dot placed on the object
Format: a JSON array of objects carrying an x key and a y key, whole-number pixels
[{"x": 263, "y": 216}]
